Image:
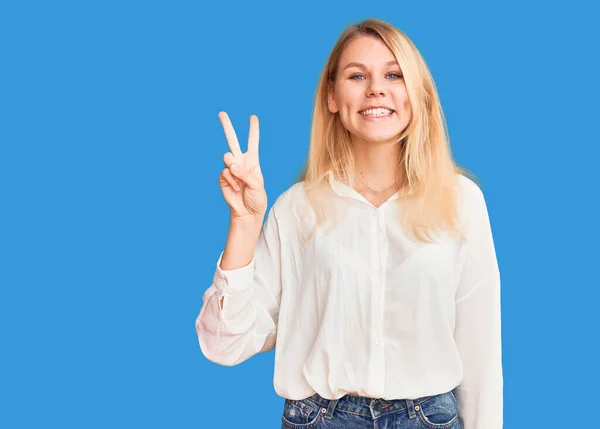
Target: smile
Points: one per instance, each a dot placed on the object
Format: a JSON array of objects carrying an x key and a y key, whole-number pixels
[{"x": 379, "y": 113}]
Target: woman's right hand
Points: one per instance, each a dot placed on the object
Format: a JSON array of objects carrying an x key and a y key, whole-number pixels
[{"x": 241, "y": 180}]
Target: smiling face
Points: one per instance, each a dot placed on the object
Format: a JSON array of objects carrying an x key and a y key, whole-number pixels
[{"x": 368, "y": 75}]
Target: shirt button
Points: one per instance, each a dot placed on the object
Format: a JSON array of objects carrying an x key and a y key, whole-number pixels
[{"x": 378, "y": 342}]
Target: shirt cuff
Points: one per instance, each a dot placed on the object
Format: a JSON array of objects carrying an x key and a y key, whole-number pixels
[{"x": 233, "y": 281}]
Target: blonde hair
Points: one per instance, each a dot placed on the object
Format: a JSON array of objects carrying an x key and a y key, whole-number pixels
[{"x": 427, "y": 172}]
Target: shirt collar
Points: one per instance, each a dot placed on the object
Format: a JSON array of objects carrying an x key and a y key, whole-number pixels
[
  {"x": 344, "y": 190},
  {"x": 341, "y": 188}
]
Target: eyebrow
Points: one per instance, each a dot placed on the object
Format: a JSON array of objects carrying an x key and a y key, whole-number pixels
[{"x": 362, "y": 66}]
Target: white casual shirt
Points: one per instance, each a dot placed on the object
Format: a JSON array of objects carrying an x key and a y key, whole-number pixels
[{"x": 366, "y": 310}]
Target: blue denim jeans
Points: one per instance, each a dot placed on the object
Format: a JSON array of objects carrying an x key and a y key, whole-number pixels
[{"x": 357, "y": 412}]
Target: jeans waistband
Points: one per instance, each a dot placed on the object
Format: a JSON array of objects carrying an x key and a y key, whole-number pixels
[{"x": 370, "y": 407}]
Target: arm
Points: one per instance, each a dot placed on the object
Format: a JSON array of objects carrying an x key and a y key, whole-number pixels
[
  {"x": 478, "y": 327},
  {"x": 240, "y": 309},
  {"x": 240, "y": 246}
]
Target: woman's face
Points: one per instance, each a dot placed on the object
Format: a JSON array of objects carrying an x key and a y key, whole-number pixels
[{"x": 368, "y": 77}]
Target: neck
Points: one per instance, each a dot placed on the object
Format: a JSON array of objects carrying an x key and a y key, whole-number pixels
[{"x": 376, "y": 165}]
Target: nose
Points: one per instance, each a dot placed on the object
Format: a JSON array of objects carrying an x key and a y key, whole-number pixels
[{"x": 376, "y": 87}]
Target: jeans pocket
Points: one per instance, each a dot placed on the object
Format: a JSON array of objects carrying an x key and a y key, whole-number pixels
[
  {"x": 300, "y": 414},
  {"x": 439, "y": 412}
]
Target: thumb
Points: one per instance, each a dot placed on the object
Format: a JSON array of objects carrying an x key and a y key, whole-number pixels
[{"x": 246, "y": 176}]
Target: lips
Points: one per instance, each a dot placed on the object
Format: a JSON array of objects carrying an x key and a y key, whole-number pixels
[
  {"x": 378, "y": 112},
  {"x": 375, "y": 107}
]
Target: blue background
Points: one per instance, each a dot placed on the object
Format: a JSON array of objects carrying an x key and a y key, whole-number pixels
[{"x": 112, "y": 218}]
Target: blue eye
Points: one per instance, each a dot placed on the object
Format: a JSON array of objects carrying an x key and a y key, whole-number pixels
[{"x": 398, "y": 76}]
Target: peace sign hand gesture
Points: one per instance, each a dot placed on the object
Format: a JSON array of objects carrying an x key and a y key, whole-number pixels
[{"x": 241, "y": 180}]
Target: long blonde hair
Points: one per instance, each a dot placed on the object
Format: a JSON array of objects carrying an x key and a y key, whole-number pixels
[{"x": 428, "y": 174}]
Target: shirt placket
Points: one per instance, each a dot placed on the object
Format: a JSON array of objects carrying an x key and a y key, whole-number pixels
[{"x": 378, "y": 256}]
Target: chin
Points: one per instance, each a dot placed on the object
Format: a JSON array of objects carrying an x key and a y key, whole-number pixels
[{"x": 378, "y": 139}]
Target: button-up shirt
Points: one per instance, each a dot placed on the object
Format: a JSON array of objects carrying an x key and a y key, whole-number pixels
[{"x": 363, "y": 309}]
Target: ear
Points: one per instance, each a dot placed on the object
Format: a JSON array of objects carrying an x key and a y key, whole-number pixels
[{"x": 333, "y": 108}]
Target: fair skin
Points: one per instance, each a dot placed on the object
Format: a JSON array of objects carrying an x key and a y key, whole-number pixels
[{"x": 368, "y": 75}]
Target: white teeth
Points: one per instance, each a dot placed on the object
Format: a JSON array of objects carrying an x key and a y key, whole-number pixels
[{"x": 376, "y": 112}]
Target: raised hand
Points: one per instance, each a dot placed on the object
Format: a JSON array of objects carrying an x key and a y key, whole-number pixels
[{"x": 241, "y": 180}]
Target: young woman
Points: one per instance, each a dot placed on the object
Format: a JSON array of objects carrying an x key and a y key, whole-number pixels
[{"x": 375, "y": 274}]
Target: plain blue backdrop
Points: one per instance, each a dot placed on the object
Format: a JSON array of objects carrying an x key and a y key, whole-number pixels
[{"x": 112, "y": 218}]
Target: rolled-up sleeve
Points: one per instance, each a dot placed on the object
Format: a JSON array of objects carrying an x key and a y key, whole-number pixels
[
  {"x": 247, "y": 322},
  {"x": 478, "y": 333}
]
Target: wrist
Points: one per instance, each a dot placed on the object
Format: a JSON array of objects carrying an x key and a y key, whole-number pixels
[{"x": 247, "y": 222}]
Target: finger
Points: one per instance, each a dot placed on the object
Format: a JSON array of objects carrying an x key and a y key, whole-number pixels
[
  {"x": 230, "y": 135},
  {"x": 228, "y": 159},
  {"x": 242, "y": 174},
  {"x": 226, "y": 173},
  {"x": 253, "y": 136}
]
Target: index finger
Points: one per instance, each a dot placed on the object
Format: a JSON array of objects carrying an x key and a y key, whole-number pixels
[{"x": 230, "y": 135}]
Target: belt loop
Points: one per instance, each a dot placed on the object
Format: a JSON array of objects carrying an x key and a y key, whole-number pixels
[
  {"x": 330, "y": 408},
  {"x": 410, "y": 407}
]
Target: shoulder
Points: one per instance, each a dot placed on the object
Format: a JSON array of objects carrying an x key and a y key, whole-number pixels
[
  {"x": 290, "y": 201},
  {"x": 293, "y": 192},
  {"x": 289, "y": 196},
  {"x": 471, "y": 200},
  {"x": 469, "y": 192},
  {"x": 467, "y": 187}
]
